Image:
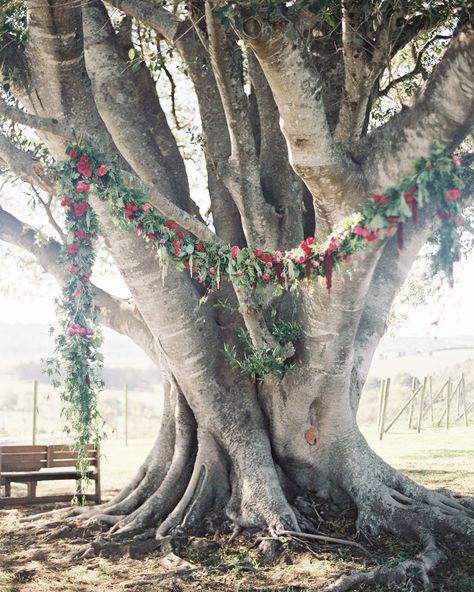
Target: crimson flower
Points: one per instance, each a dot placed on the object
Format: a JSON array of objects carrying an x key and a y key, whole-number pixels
[
  {"x": 200, "y": 247},
  {"x": 82, "y": 235},
  {"x": 73, "y": 154},
  {"x": 381, "y": 199},
  {"x": 84, "y": 167},
  {"x": 266, "y": 277},
  {"x": 170, "y": 224},
  {"x": 130, "y": 209},
  {"x": 151, "y": 236},
  {"x": 180, "y": 234},
  {"x": 177, "y": 247},
  {"x": 409, "y": 199},
  {"x": 72, "y": 249},
  {"x": 234, "y": 251},
  {"x": 80, "y": 208},
  {"x": 392, "y": 219},
  {"x": 66, "y": 201},
  {"x": 82, "y": 187}
]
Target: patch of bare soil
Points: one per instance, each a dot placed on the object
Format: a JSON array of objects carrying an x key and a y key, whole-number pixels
[{"x": 52, "y": 555}]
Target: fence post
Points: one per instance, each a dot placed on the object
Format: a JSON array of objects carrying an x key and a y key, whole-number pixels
[
  {"x": 384, "y": 408},
  {"x": 422, "y": 397},
  {"x": 126, "y": 415},
  {"x": 414, "y": 380},
  {"x": 381, "y": 395},
  {"x": 35, "y": 408},
  {"x": 448, "y": 402},
  {"x": 430, "y": 391}
]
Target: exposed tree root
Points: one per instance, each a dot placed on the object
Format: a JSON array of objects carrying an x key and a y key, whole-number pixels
[{"x": 410, "y": 571}]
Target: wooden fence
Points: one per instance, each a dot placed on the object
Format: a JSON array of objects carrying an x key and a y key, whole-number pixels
[{"x": 449, "y": 401}]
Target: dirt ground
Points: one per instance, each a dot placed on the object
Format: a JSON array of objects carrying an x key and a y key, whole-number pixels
[{"x": 50, "y": 556}]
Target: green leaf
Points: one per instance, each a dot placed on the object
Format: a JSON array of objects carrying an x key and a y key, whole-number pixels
[{"x": 131, "y": 53}]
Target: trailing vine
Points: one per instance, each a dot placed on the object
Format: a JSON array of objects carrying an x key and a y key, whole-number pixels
[{"x": 437, "y": 179}]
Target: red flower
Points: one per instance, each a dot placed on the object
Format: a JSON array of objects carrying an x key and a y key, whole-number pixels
[
  {"x": 239, "y": 273},
  {"x": 177, "y": 247},
  {"x": 266, "y": 276},
  {"x": 200, "y": 247},
  {"x": 371, "y": 236},
  {"x": 212, "y": 270},
  {"x": 310, "y": 240},
  {"x": 66, "y": 201},
  {"x": 258, "y": 253},
  {"x": 76, "y": 293},
  {"x": 333, "y": 244},
  {"x": 75, "y": 329},
  {"x": 82, "y": 187},
  {"x": 84, "y": 167},
  {"x": 73, "y": 154},
  {"x": 347, "y": 260},
  {"x": 268, "y": 264},
  {"x": 392, "y": 219},
  {"x": 72, "y": 249},
  {"x": 82, "y": 235},
  {"x": 304, "y": 245},
  {"x": 301, "y": 259},
  {"x": 180, "y": 234},
  {"x": 409, "y": 199},
  {"x": 151, "y": 236},
  {"x": 170, "y": 224},
  {"x": 102, "y": 170},
  {"x": 80, "y": 208},
  {"x": 265, "y": 257},
  {"x": 453, "y": 195},
  {"x": 130, "y": 209},
  {"x": 146, "y": 207},
  {"x": 381, "y": 199}
]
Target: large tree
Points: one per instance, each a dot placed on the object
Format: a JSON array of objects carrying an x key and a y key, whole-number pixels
[{"x": 298, "y": 132}]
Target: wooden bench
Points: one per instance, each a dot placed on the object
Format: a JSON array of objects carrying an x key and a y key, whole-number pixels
[{"x": 30, "y": 464}]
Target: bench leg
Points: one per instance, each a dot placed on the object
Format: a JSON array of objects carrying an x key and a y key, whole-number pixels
[
  {"x": 32, "y": 488},
  {"x": 8, "y": 488},
  {"x": 97, "y": 490}
]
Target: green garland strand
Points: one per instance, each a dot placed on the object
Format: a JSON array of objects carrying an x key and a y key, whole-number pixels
[{"x": 437, "y": 179}]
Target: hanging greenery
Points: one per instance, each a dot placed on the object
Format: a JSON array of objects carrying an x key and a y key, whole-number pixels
[{"x": 437, "y": 180}]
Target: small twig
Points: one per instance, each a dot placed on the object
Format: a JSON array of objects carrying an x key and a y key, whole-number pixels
[
  {"x": 320, "y": 537},
  {"x": 47, "y": 206}
]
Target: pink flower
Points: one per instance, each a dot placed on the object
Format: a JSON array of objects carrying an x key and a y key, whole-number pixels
[
  {"x": 75, "y": 329},
  {"x": 458, "y": 220},
  {"x": 347, "y": 260},
  {"x": 80, "y": 208},
  {"x": 234, "y": 251},
  {"x": 457, "y": 160},
  {"x": 277, "y": 255},
  {"x": 315, "y": 264},
  {"x": 146, "y": 207},
  {"x": 268, "y": 264},
  {"x": 359, "y": 230},
  {"x": 82, "y": 187},
  {"x": 72, "y": 249},
  {"x": 239, "y": 273},
  {"x": 76, "y": 293},
  {"x": 301, "y": 259},
  {"x": 177, "y": 247},
  {"x": 333, "y": 244},
  {"x": 86, "y": 278},
  {"x": 102, "y": 170},
  {"x": 212, "y": 270},
  {"x": 71, "y": 269},
  {"x": 266, "y": 277},
  {"x": 453, "y": 194}
]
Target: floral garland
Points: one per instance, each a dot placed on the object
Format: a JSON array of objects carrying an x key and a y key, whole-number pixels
[{"x": 437, "y": 179}]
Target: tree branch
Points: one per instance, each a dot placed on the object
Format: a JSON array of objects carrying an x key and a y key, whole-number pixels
[
  {"x": 112, "y": 81},
  {"x": 45, "y": 124},
  {"x": 116, "y": 313},
  {"x": 25, "y": 166},
  {"x": 443, "y": 112},
  {"x": 298, "y": 91},
  {"x": 241, "y": 172}
]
